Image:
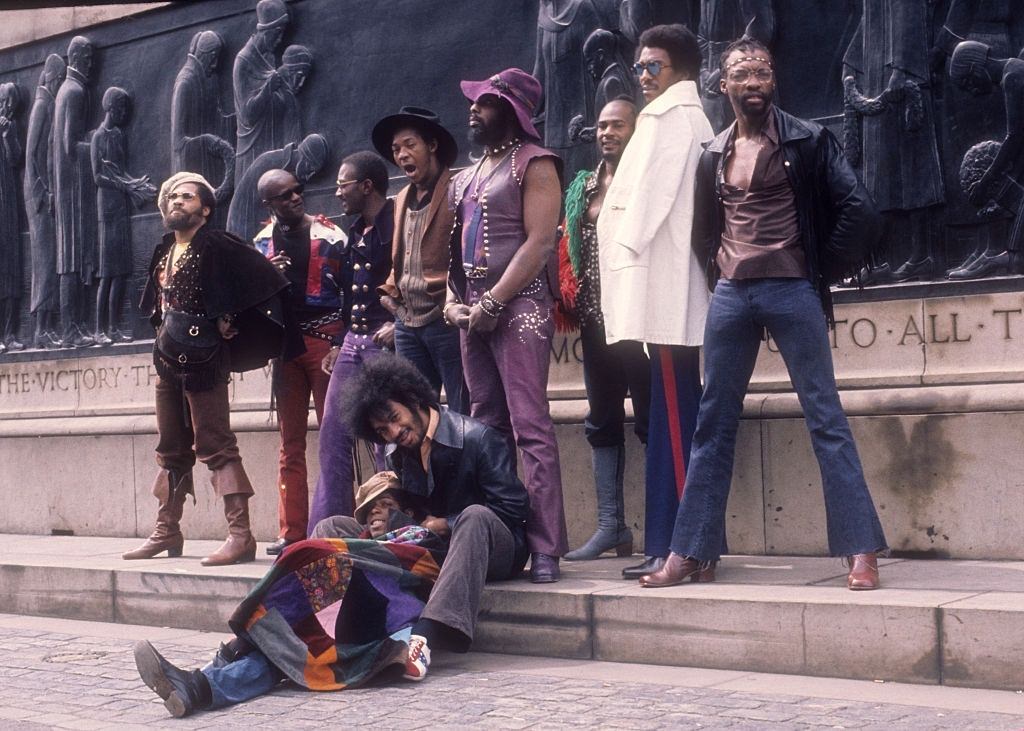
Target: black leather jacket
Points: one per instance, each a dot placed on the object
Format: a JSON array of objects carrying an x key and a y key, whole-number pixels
[
  {"x": 238, "y": 280},
  {"x": 839, "y": 224},
  {"x": 470, "y": 464}
]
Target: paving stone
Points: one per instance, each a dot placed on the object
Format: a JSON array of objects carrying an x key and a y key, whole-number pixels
[
  {"x": 828, "y": 721},
  {"x": 15, "y": 714},
  {"x": 760, "y": 714}
]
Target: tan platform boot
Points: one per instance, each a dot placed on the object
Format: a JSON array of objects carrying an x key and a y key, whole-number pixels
[
  {"x": 171, "y": 492},
  {"x": 240, "y": 546}
]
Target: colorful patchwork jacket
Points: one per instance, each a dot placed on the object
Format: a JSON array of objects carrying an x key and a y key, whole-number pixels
[{"x": 327, "y": 244}]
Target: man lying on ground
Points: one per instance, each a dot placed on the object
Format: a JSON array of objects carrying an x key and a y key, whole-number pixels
[{"x": 330, "y": 613}]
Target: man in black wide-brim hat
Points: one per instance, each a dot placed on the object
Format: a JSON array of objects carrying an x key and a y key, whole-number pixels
[{"x": 415, "y": 292}]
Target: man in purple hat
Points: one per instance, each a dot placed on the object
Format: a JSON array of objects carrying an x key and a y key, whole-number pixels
[
  {"x": 420, "y": 249},
  {"x": 507, "y": 206}
]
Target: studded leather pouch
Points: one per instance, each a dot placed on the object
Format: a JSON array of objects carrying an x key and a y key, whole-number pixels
[{"x": 188, "y": 342}]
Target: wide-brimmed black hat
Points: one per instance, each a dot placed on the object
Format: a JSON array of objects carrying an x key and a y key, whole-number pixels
[{"x": 417, "y": 118}]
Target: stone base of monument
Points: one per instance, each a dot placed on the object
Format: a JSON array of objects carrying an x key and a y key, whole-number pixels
[
  {"x": 932, "y": 385},
  {"x": 952, "y": 623}
]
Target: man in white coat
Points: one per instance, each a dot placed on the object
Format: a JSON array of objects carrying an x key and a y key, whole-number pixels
[{"x": 653, "y": 287}]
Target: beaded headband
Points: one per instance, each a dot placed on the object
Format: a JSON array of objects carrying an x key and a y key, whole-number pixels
[{"x": 762, "y": 59}]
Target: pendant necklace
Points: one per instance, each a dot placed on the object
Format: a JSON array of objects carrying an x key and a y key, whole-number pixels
[{"x": 490, "y": 154}]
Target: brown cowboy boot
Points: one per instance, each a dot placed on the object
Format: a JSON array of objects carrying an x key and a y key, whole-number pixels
[
  {"x": 240, "y": 546},
  {"x": 863, "y": 574},
  {"x": 166, "y": 536},
  {"x": 678, "y": 569}
]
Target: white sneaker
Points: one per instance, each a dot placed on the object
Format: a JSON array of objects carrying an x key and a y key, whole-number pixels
[{"x": 418, "y": 661}]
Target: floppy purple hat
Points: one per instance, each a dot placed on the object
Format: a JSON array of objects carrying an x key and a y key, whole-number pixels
[{"x": 515, "y": 86}]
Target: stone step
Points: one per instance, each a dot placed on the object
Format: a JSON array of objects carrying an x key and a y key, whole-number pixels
[{"x": 937, "y": 622}]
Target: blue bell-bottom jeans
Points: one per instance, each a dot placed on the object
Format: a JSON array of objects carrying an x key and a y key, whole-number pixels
[
  {"x": 247, "y": 677},
  {"x": 435, "y": 350},
  {"x": 791, "y": 311},
  {"x": 335, "y": 494}
]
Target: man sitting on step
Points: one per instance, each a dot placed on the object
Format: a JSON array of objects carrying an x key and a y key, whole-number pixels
[{"x": 465, "y": 476}]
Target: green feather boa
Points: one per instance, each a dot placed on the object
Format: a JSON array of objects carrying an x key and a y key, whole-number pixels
[{"x": 575, "y": 207}]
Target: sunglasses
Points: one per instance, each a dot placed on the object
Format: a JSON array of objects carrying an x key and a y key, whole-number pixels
[
  {"x": 652, "y": 67},
  {"x": 185, "y": 196},
  {"x": 286, "y": 195},
  {"x": 345, "y": 183},
  {"x": 742, "y": 76}
]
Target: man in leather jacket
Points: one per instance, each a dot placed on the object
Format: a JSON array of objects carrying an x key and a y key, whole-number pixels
[
  {"x": 465, "y": 477},
  {"x": 780, "y": 214},
  {"x": 228, "y": 297}
]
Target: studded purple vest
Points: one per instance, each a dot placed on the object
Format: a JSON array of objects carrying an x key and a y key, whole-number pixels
[{"x": 490, "y": 208}]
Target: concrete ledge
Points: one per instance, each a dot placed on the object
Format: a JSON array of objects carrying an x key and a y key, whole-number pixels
[
  {"x": 52, "y": 591},
  {"x": 516, "y": 618},
  {"x": 891, "y": 635},
  {"x": 202, "y": 601},
  {"x": 934, "y": 622},
  {"x": 983, "y": 641}
]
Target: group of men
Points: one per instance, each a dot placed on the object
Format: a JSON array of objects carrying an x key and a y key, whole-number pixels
[
  {"x": 765, "y": 215},
  {"x": 678, "y": 240}
]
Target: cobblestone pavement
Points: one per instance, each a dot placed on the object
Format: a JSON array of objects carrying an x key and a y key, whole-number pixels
[{"x": 81, "y": 675}]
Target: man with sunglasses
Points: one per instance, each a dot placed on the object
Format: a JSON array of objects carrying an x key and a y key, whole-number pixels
[
  {"x": 369, "y": 327},
  {"x": 780, "y": 215},
  {"x": 216, "y": 304},
  {"x": 652, "y": 285},
  {"x": 309, "y": 251}
]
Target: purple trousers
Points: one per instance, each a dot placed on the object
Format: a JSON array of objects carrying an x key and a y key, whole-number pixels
[
  {"x": 335, "y": 494},
  {"x": 506, "y": 371}
]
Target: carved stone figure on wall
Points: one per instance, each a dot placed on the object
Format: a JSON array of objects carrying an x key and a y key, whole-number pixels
[
  {"x": 72, "y": 185},
  {"x": 296, "y": 63},
  {"x": 967, "y": 119},
  {"x": 888, "y": 95},
  {"x": 603, "y": 56},
  {"x": 10, "y": 231},
  {"x": 303, "y": 161},
  {"x": 39, "y": 206},
  {"x": 998, "y": 182},
  {"x": 259, "y": 87},
  {"x": 115, "y": 191},
  {"x": 636, "y": 16},
  {"x": 568, "y": 89},
  {"x": 721, "y": 23},
  {"x": 199, "y": 126}
]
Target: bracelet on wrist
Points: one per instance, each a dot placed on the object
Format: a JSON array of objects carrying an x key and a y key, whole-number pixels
[
  {"x": 489, "y": 310},
  {"x": 444, "y": 312},
  {"x": 491, "y": 306}
]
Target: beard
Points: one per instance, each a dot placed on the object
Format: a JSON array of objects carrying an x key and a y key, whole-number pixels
[
  {"x": 480, "y": 136},
  {"x": 176, "y": 220},
  {"x": 488, "y": 135}
]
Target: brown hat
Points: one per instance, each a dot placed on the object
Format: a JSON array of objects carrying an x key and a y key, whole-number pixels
[{"x": 373, "y": 489}]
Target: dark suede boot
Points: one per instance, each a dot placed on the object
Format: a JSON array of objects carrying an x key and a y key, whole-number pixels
[{"x": 183, "y": 691}]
